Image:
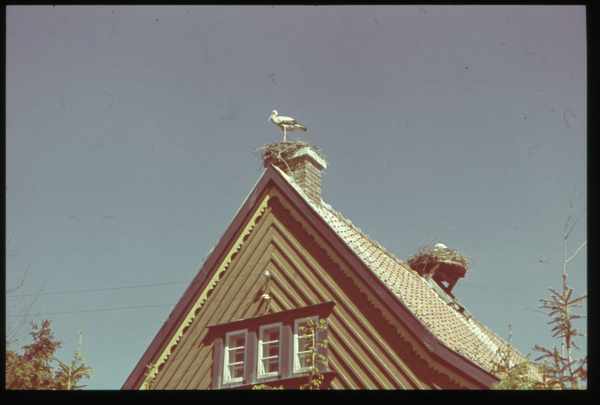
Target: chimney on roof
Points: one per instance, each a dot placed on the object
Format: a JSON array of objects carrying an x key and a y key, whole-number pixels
[{"x": 301, "y": 161}]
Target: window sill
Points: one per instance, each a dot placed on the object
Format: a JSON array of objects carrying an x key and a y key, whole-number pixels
[{"x": 292, "y": 383}]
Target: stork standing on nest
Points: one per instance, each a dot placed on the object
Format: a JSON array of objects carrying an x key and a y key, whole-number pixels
[{"x": 285, "y": 123}]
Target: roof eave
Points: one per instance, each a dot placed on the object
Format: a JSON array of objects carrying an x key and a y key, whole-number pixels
[
  {"x": 437, "y": 348},
  {"x": 450, "y": 358}
]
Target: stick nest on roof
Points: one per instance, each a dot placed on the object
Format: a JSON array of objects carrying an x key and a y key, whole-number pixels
[
  {"x": 283, "y": 151},
  {"x": 428, "y": 256}
]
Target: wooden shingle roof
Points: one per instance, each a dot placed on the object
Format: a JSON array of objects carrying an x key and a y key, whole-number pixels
[
  {"x": 450, "y": 338},
  {"x": 443, "y": 315}
]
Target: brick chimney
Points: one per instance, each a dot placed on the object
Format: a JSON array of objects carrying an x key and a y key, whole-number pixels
[{"x": 304, "y": 167}]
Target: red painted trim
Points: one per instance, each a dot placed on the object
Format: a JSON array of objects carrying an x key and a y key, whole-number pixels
[
  {"x": 270, "y": 178},
  {"x": 447, "y": 356},
  {"x": 183, "y": 307},
  {"x": 323, "y": 310}
]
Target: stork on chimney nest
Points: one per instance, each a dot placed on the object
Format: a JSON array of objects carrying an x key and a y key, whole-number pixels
[{"x": 285, "y": 123}]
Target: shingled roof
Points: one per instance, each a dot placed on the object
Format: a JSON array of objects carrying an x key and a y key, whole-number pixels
[
  {"x": 449, "y": 334},
  {"x": 443, "y": 315}
]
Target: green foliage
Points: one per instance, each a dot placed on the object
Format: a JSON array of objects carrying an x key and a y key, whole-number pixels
[
  {"x": 514, "y": 375},
  {"x": 266, "y": 387},
  {"x": 33, "y": 370},
  {"x": 315, "y": 378},
  {"x": 558, "y": 373},
  {"x": 562, "y": 372},
  {"x": 558, "y": 370}
]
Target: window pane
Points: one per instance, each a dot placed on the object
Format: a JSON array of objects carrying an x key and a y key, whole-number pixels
[
  {"x": 237, "y": 371},
  {"x": 302, "y": 351},
  {"x": 269, "y": 350},
  {"x": 235, "y": 354},
  {"x": 304, "y": 344},
  {"x": 273, "y": 350},
  {"x": 271, "y": 334},
  {"x": 237, "y": 341},
  {"x": 304, "y": 360},
  {"x": 272, "y": 365}
]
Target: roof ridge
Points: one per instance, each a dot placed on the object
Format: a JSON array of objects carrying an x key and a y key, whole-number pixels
[
  {"x": 485, "y": 336},
  {"x": 329, "y": 208}
]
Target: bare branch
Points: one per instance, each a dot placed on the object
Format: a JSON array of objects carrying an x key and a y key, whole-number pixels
[
  {"x": 576, "y": 251},
  {"x": 571, "y": 230},
  {"x": 535, "y": 310},
  {"x": 543, "y": 261},
  {"x": 20, "y": 318},
  {"x": 20, "y": 281}
]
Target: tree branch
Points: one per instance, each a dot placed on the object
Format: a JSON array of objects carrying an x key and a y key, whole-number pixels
[
  {"x": 576, "y": 251},
  {"x": 559, "y": 269}
]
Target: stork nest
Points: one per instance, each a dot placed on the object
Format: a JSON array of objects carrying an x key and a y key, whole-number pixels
[
  {"x": 429, "y": 256},
  {"x": 283, "y": 151}
]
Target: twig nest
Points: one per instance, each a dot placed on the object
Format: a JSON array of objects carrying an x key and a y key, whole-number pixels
[
  {"x": 283, "y": 151},
  {"x": 451, "y": 262}
]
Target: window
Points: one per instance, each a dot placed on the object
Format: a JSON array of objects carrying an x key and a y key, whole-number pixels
[
  {"x": 265, "y": 349},
  {"x": 301, "y": 352},
  {"x": 235, "y": 356},
  {"x": 269, "y": 351}
]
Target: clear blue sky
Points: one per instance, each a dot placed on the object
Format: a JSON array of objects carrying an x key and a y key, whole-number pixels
[{"x": 131, "y": 132}]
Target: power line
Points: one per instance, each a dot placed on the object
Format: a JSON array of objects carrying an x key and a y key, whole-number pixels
[
  {"x": 502, "y": 288},
  {"x": 99, "y": 289},
  {"x": 145, "y": 306},
  {"x": 182, "y": 282},
  {"x": 108, "y": 309},
  {"x": 106, "y": 289},
  {"x": 179, "y": 282},
  {"x": 172, "y": 305}
]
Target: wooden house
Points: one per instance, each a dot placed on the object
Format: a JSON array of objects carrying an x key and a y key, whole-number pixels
[{"x": 288, "y": 256}]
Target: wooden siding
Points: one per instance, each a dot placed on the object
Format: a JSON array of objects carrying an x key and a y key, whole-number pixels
[{"x": 365, "y": 349}]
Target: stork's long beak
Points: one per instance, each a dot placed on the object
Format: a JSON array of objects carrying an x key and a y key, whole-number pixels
[{"x": 271, "y": 117}]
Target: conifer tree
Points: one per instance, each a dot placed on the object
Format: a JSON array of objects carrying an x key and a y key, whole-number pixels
[
  {"x": 33, "y": 369},
  {"x": 559, "y": 370}
]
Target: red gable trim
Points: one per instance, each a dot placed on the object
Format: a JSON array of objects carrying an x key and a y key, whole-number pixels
[
  {"x": 191, "y": 294},
  {"x": 270, "y": 178},
  {"x": 447, "y": 356}
]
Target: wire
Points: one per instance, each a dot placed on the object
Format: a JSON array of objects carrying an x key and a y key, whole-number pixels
[
  {"x": 501, "y": 288},
  {"x": 146, "y": 306},
  {"x": 108, "y": 309},
  {"x": 107, "y": 289},
  {"x": 172, "y": 305},
  {"x": 99, "y": 289}
]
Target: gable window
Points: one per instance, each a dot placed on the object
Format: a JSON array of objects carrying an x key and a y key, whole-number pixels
[
  {"x": 266, "y": 349},
  {"x": 269, "y": 351},
  {"x": 302, "y": 351},
  {"x": 235, "y": 356}
]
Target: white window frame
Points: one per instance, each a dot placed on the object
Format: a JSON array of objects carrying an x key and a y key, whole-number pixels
[
  {"x": 261, "y": 366},
  {"x": 227, "y": 379},
  {"x": 300, "y": 350}
]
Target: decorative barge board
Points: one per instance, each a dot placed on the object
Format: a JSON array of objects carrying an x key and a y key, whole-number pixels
[{"x": 286, "y": 257}]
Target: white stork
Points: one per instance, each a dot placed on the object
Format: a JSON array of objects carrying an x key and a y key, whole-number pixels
[{"x": 285, "y": 123}]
